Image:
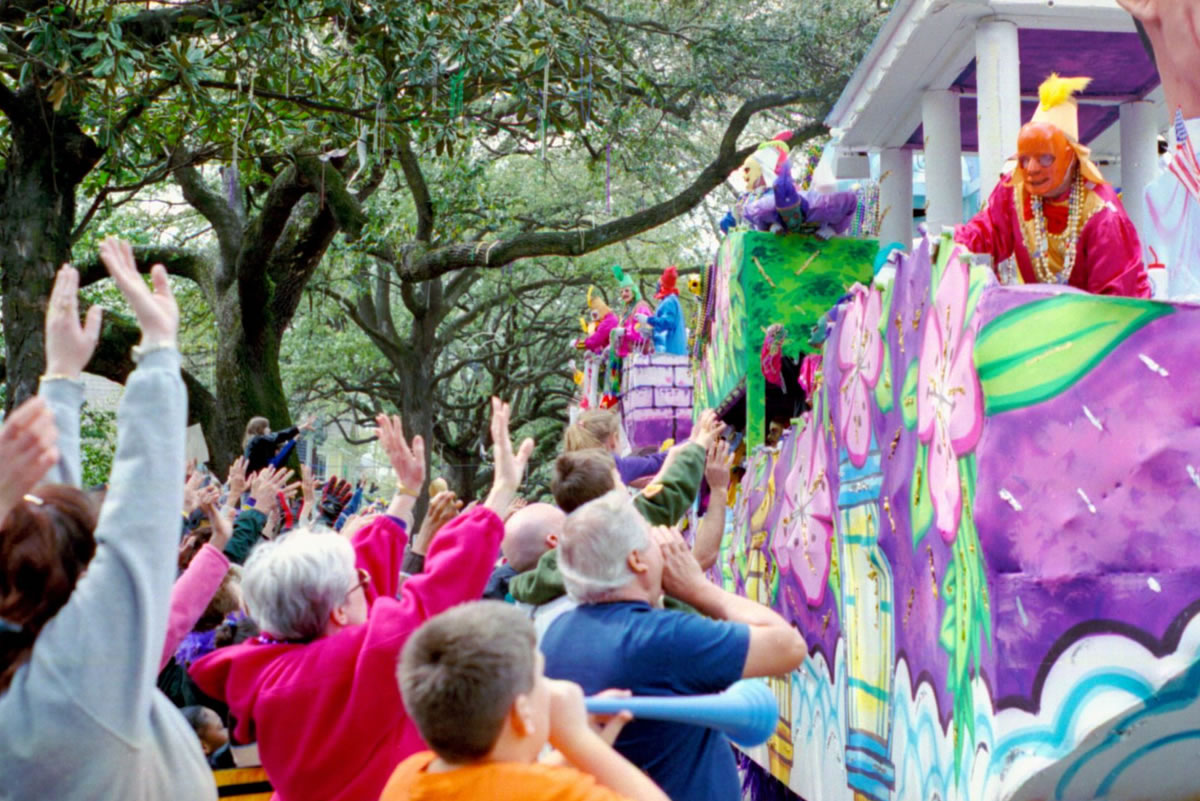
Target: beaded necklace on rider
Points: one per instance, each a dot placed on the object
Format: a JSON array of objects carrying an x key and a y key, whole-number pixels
[{"x": 1041, "y": 258}]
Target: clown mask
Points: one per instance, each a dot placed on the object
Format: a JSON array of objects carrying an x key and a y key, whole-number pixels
[
  {"x": 752, "y": 173},
  {"x": 1046, "y": 159}
]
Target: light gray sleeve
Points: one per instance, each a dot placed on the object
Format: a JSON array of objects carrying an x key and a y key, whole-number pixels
[
  {"x": 65, "y": 399},
  {"x": 103, "y": 648}
]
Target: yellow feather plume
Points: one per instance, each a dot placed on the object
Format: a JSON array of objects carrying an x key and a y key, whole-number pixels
[{"x": 1055, "y": 90}]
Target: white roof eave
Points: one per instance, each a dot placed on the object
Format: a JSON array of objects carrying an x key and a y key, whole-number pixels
[{"x": 926, "y": 44}]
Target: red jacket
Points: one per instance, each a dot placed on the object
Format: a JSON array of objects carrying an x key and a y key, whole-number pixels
[
  {"x": 1108, "y": 260},
  {"x": 327, "y": 715}
]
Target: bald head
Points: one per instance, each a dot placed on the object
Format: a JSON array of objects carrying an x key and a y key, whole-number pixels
[{"x": 529, "y": 533}]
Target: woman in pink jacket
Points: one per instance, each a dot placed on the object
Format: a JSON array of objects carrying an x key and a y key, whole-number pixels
[{"x": 317, "y": 689}]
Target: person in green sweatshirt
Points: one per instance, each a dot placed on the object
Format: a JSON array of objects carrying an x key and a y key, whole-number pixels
[{"x": 582, "y": 476}]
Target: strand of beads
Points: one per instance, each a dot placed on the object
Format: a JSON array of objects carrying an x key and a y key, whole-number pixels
[{"x": 1041, "y": 258}]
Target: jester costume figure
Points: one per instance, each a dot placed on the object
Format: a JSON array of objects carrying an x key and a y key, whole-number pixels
[
  {"x": 670, "y": 333},
  {"x": 625, "y": 337},
  {"x": 773, "y": 202},
  {"x": 1054, "y": 214}
]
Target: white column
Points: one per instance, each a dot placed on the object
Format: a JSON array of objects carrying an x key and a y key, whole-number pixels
[
  {"x": 943, "y": 159},
  {"x": 896, "y": 196},
  {"x": 997, "y": 74},
  {"x": 1139, "y": 157}
]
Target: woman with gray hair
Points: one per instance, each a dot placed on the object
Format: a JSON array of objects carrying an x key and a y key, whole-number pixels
[
  {"x": 85, "y": 598},
  {"x": 317, "y": 688}
]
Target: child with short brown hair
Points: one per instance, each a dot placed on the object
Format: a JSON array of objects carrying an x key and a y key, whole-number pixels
[{"x": 472, "y": 681}]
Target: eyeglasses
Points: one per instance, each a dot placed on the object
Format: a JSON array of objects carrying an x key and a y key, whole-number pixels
[
  {"x": 364, "y": 578},
  {"x": 1045, "y": 160}
]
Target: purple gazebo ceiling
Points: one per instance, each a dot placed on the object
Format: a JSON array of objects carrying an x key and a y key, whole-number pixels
[{"x": 1116, "y": 62}]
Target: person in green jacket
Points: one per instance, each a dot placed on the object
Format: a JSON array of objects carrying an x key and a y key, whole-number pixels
[{"x": 582, "y": 476}]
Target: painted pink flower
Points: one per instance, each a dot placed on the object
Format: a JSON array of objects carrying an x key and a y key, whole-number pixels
[
  {"x": 949, "y": 399},
  {"x": 801, "y": 542},
  {"x": 860, "y": 356}
]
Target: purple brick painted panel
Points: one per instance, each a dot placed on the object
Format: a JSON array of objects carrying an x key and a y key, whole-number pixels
[
  {"x": 650, "y": 375},
  {"x": 641, "y": 398},
  {"x": 650, "y": 428},
  {"x": 674, "y": 396}
]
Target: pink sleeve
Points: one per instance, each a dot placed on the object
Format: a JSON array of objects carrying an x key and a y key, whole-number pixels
[
  {"x": 379, "y": 549},
  {"x": 190, "y": 596},
  {"x": 991, "y": 230},
  {"x": 598, "y": 341},
  {"x": 1109, "y": 245},
  {"x": 457, "y": 567}
]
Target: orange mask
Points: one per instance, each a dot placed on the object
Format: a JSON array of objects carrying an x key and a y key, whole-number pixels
[{"x": 1045, "y": 159}]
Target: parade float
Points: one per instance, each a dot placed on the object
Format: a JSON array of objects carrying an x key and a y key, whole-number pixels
[
  {"x": 984, "y": 521},
  {"x": 983, "y": 514}
]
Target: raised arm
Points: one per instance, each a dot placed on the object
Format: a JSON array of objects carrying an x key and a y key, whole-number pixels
[
  {"x": 707, "y": 544},
  {"x": 776, "y": 647},
  {"x": 115, "y": 622},
  {"x": 69, "y": 347}
]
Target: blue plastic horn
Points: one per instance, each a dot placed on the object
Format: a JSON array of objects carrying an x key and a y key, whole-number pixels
[{"x": 747, "y": 711}]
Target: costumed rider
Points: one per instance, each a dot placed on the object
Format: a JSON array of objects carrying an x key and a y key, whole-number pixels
[
  {"x": 605, "y": 325},
  {"x": 1054, "y": 213},
  {"x": 670, "y": 334},
  {"x": 626, "y": 338},
  {"x": 773, "y": 202}
]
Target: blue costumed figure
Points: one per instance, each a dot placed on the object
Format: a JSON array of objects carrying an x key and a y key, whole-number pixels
[{"x": 670, "y": 333}]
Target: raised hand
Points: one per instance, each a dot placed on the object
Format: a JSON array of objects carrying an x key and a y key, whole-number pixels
[
  {"x": 717, "y": 466},
  {"x": 444, "y": 507},
  {"x": 308, "y": 485},
  {"x": 157, "y": 314},
  {"x": 334, "y": 497},
  {"x": 509, "y": 469},
  {"x": 237, "y": 477},
  {"x": 222, "y": 528},
  {"x": 191, "y": 491},
  {"x": 28, "y": 448},
  {"x": 409, "y": 463},
  {"x": 265, "y": 487},
  {"x": 69, "y": 345},
  {"x": 707, "y": 429}
]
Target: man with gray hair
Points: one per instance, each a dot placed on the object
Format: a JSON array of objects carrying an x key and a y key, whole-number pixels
[{"x": 617, "y": 568}]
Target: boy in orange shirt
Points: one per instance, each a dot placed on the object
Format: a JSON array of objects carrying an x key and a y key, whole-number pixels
[{"x": 472, "y": 681}]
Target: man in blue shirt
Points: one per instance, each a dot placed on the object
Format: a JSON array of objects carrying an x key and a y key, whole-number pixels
[{"x": 617, "y": 568}]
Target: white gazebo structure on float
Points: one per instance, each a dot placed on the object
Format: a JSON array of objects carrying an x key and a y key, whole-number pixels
[{"x": 949, "y": 77}]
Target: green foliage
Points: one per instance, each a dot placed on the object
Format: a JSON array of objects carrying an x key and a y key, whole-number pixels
[{"x": 98, "y": 444}]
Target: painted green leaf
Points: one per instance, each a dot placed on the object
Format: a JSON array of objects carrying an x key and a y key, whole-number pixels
[
  {"x": 980, "y": 278},
  {"x": 884, "y": 392},
  {"x": 908, "y": 396},
  {"x": 1036, "y": 351},
  {"x": 885, "y": 313},
  {"x": 920, "y": 502}
]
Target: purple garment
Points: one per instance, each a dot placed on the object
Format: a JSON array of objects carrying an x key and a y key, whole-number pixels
[
  {"x": 835, "y": 209},
  {"x": 632, "y": 468},
  {"x": 200, "y": 643}
]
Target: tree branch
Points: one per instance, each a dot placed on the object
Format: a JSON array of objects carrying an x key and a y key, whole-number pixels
[
  {"x": 418, "y": 187},
  {"x": 574, "y": 243},
  {"x": 156, "y": 27},
  {"x": 211, "y": 205},
  {"x": 178, "y": 261}
]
